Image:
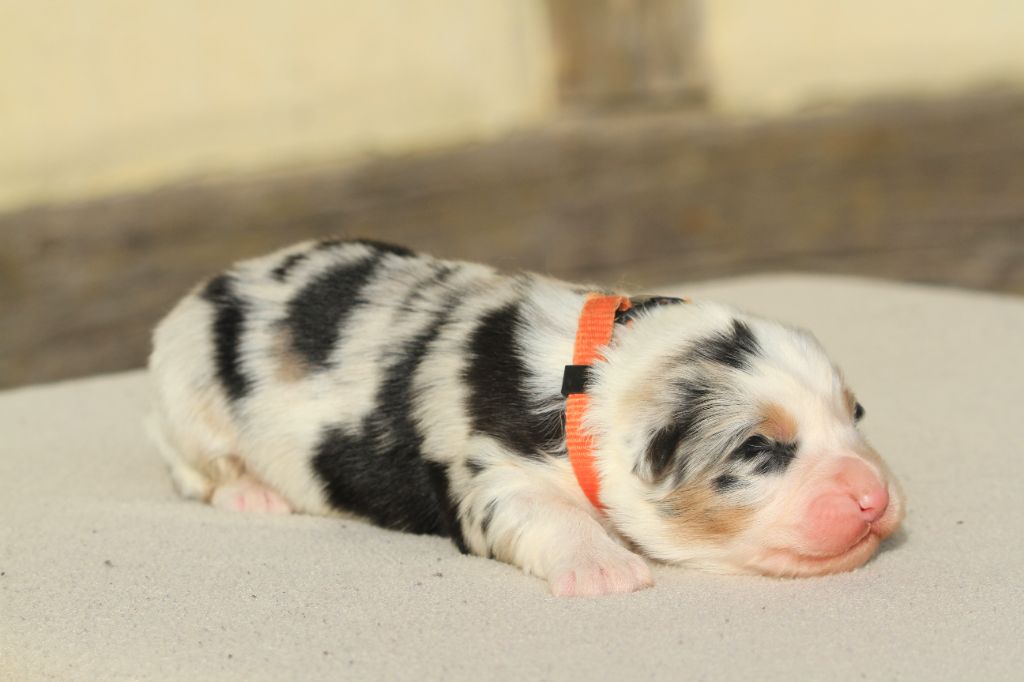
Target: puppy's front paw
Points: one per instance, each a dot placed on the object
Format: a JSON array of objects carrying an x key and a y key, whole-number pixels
[{"x": 592, "y": 571}]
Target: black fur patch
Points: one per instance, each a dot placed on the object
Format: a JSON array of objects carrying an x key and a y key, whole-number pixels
[
  {"x": 291, "y": 261},
  {"x": 661, "y": 450},
  {"x": 317, "y": 311},
  {"x": 380, "y": 472},
  {"x": 771, "y": 457},
  {"x": 733, "y": 348},
  {"x": 485, "y": 524},
  {"x": 498, "y": 403},
  {"x": 385, "y": 247},
  {"x": 439, "y": 478},
  {"x": 281, "y": 272},
  {"x": 382, "y": 247},
  {"x": 726, "y": 483},
  {"x": 331, "y": 243},
  {"x": 388, "y": 483},
  {"x": 228, "y": 325},
  {"x": 640, "y": 304}
]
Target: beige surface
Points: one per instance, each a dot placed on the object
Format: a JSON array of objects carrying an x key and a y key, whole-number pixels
[
  {"x": 105, "y": 574},
  {"x": 109, "y": 96},
  {"x": 774, "y": 57}
]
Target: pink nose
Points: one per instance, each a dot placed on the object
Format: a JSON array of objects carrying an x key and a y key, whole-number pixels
[
  {"x": 860, "y": 482},
  {"x": 839, "y": 515},
  {"x": 873, "y": 503}
]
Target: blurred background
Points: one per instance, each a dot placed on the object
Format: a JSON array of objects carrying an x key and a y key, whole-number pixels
[{"x": 147, "y": 144}]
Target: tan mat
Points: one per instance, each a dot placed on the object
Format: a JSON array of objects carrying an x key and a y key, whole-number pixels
[{"x": 105, "y": 574}]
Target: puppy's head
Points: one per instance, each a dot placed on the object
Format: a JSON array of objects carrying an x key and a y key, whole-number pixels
[{"x": 732, "y": 443}]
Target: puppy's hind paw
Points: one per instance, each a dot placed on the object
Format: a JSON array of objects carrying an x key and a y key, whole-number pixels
[
  {"x": 593, "y": 573},
  {"x": 247, "y": 495}
]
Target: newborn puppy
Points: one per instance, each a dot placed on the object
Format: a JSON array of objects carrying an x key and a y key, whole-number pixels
[{"x": 560, "y": 429}]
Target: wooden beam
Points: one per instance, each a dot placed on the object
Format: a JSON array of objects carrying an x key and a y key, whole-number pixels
[
  {"x": 615, "y": 54},
  {"x": 929, "y": 192}
]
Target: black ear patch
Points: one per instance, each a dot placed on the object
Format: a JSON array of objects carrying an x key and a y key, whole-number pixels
[
  {"x": 734, "y": 347},
  {"x": 662, "y": 448}
]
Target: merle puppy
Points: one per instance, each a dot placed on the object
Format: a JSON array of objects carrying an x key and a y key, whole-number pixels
[{"x": 431, "y": 396}]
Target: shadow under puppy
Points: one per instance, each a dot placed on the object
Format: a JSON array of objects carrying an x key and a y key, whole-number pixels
[{"x": 431, "y": 396}]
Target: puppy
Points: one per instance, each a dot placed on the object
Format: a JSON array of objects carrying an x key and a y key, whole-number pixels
[{"x": 564, "y": 430}]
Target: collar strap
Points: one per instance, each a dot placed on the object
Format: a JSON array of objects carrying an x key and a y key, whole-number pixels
[
  {"x": 577, "y": 376},
  {"x": 597, "y": 322},
  {"x": 594, "y": 331}
]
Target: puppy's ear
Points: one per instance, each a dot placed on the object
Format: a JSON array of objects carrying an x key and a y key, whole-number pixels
[
  {"x": 662, "y": 455},
  {"x": 662, "y": 452}
]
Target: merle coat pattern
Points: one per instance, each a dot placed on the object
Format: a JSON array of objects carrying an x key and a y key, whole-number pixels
[{"x": 424, "y": 395}]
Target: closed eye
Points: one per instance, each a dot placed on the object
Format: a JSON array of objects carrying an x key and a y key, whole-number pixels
[
  {"x": 754, "y": 447},
  {"x": 771, "y": 456}
]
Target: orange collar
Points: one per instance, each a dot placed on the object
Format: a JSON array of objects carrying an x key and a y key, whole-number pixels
[{"x": 597, "y": 321}]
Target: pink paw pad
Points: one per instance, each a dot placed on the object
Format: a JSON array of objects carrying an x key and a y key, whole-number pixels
[
  {"x": 246, "y": 495},
  {"x": 591, "y": 577}
]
